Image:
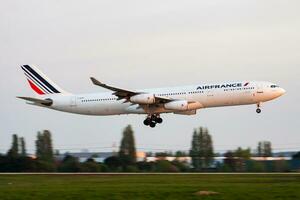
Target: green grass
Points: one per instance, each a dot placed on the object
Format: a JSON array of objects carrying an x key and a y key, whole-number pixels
[{"x": 129, "y": 187}]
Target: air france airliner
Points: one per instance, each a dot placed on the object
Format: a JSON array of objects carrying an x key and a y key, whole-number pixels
[{"x": 184, "y": 100}]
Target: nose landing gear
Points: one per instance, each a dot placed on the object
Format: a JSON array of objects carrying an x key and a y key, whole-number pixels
[
  {"x": 152, "y": 120},
  {"x": 258, "y": 110}
]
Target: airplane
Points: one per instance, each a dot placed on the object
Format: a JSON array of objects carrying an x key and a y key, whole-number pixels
[{"x": 184, "y": 100}]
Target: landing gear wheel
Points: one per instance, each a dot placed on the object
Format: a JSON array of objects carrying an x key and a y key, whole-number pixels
[
  {"x": 152, "y": 124},
  {"x": 159, "y": 120},
  {"x": 258, "y": 110},
  {"x": 147, "y": 122},
  {"x": 153, "y": 120}
]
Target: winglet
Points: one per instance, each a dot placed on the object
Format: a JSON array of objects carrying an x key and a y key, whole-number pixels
[{"x": 96, "y": 82}]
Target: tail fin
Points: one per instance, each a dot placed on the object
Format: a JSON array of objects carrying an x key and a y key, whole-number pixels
[{"x": 39, "y": 82}]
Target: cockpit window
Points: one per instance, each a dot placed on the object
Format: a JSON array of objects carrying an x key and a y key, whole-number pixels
[{"x": 274, "y": 86}]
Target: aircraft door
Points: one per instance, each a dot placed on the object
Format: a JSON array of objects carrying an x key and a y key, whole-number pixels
[
  {"x": 260, "y": 89},
  {"x": 259, "y": 92},
  {"x": 210, "y": 98},
  {"x": 73, "y": 101}
]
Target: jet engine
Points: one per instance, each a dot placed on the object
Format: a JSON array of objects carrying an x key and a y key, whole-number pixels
[
  {"x": 182, "y": 105},
  {"x": 143, "y": 99}
]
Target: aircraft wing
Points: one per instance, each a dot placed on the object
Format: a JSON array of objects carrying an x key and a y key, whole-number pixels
[
  {"x": 121, "y": 93},
  {"x": 126, "y": 94}
]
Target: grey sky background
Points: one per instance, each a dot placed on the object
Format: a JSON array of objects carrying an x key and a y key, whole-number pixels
[{"x": 144, "y": 44}]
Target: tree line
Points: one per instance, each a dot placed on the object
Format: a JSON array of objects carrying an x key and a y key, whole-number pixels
[{"x": 201, "y": 153}]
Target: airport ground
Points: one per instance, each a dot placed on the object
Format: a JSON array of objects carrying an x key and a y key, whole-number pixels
[{"x": 152, "y": 186}]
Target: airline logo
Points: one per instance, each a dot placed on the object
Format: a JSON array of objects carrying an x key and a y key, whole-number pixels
[
  {"x": 229, "y": 85},
  {"x": 37, "y": 82}
]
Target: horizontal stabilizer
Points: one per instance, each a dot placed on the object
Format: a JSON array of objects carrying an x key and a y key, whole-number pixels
[{"x": 46, "y": 102}]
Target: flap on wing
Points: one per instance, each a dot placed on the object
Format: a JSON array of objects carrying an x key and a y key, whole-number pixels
[{"x": 163, "y": 99}]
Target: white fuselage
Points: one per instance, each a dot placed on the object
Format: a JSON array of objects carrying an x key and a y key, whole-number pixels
[{"x": 206, "y": 95}]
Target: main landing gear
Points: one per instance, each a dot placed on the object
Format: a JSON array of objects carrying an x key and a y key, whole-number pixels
[
  {"x": 258, "y": 110},
  {"x": 152, "y": 120}
]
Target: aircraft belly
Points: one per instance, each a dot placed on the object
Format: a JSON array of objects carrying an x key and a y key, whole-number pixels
[
  {"x": 114, "y": 108},
  {"x": 229, "y": 99}
]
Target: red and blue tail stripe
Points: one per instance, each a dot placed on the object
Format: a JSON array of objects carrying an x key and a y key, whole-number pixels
[{"x": 38, "y": 83}]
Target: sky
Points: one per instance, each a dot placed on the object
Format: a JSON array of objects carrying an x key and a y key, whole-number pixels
[{"x": 139, "y": 44}]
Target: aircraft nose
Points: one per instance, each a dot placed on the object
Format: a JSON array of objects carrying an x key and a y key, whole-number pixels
[{"x": 282, "y": 91}]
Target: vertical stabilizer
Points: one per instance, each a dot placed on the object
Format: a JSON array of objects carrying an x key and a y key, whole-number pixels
[{"x": 39, "y": 82}]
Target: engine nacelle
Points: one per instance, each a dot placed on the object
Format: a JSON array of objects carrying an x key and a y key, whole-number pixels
[
  {"x": 182, "y": 105},
  {"x": 177, "y": 105},
  {"x": 143, "y": 99}
]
